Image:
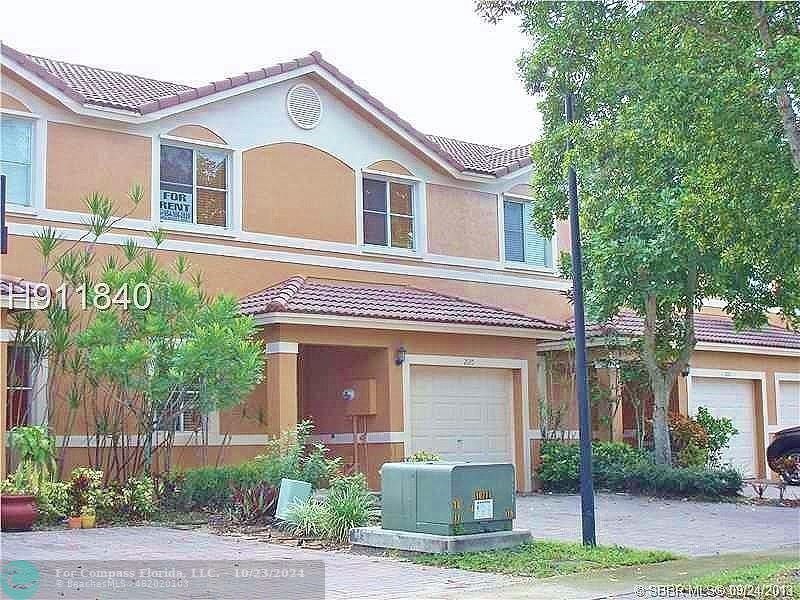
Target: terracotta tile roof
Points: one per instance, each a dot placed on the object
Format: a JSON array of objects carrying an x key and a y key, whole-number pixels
[
  {"x": 299, "y": 294},
  {"x": 480, "y": 158},
  {"x": 714, "y": 329},
  {"x": 143, "y": 95}
]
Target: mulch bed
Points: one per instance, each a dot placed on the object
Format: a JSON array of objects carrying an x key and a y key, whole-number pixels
[{"x": 271, "y": 533}]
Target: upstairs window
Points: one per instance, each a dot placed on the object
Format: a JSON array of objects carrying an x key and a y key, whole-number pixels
[
  {"x": 194, "y": 185},
  {"x": 388, "y": 213},
  {"x": 523, "y": 244},
  {"x": 16, "y": 158}
]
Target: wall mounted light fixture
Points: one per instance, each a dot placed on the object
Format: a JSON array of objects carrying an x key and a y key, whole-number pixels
[{"x": 400, "y": 358}]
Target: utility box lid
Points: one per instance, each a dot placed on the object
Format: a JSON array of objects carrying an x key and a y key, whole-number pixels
[{"x": 448, "y": 498}]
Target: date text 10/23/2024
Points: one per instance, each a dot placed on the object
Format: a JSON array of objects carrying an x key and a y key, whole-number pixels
[{"x": 27, "y": 295}]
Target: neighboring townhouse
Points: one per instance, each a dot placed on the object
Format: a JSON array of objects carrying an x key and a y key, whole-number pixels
[
  {"x": 751, "y": 377},
  {"x": 401, "y": 289}
]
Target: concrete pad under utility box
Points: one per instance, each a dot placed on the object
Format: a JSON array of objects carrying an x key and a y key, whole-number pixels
[{"x": 409, "y": 541}]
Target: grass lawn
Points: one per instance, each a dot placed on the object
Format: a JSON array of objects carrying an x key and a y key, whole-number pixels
[
  {"x": 773, "y": 579},
  {"x": 545, "y": 559}
]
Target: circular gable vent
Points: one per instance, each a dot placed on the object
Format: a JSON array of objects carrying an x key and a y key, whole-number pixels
[{"x": 304, "y": 106}]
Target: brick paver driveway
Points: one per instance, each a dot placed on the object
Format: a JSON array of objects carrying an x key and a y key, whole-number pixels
[
  {"x": 346, "y": 575},
  {"x": 689, "y": 528},
  {"x": 685, "y": 527}
]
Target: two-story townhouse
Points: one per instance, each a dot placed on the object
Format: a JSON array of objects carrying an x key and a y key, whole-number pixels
[
  {"x": 376, "y": 258},
  {"x": 381, "y": 263}
]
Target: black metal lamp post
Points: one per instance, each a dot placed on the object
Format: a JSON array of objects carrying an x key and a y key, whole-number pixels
[{"x": 582, "y": 385}]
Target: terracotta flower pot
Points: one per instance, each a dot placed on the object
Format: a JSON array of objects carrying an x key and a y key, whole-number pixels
[
  {"x": 18, "y": 512},
  {"x": 74, "y": 522},
  {"x": 88, "y": 521}
]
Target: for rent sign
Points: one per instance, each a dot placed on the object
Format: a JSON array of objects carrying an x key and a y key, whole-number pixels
[{"x": 176, "y": 206}]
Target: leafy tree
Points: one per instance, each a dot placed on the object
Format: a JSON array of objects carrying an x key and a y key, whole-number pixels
[
  {"x": 132, "y": 344},
  {"x": 685, "y": 151}
]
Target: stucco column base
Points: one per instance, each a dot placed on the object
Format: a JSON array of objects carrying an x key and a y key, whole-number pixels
[{"x": 282, "y": 406}]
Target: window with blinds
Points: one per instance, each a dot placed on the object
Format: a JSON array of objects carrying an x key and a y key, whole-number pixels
[{"x": 523, "y": 244}]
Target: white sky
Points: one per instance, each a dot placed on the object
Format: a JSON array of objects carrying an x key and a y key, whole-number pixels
[{"x": 434, "y": 62}]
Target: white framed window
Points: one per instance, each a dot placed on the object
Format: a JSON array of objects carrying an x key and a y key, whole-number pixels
[
  {"x": 521, "y": 242},
  {"x": 389, "y": 212},
  {"x": 194, "y": 185},
  {"x": 181, "y": 414},
  {"x": 16, "y": 158}
]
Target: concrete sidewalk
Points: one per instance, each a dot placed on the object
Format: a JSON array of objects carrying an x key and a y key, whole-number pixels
[{"x": 625, "y": 582}]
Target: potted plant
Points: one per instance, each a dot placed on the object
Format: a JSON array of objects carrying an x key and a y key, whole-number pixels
[
  {"x": 35, "y": 450},
  {"x": 18, "y": 503},
  {"x": 88, "y": 517},
  {"x": 75, "y": 522}
]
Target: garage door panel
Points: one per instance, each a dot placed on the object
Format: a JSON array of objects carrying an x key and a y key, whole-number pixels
[
  {"x": 462, "y": 413},
  {"x": 788, "y": 403},
  {"x": 734, "y": 399}
]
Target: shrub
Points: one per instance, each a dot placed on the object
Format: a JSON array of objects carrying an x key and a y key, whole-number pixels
[
  {"x": 350, "y": 504},
  {"x": 254, "y": 504},
  {"x": 209, "y": 487},
  {"x": 86, "y": 489},
  {"x": 618, "y": 467},
  {"x": 560, "y": 466},
  {"x": 136, "y": 499},
  {"x": 663, "y": 480},
  {"x": 423, "y": 456},
  {"x": 307, "y": 519},
  {"x": 719, "y": 431},
  {"x": 53, "y": 501},
  {"x": 288, "y": 456}
]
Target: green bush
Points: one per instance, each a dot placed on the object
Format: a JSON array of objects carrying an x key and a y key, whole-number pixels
[
  {"x": 618, "y": 467},
  {"x": 307, "y": 519},
  {"x": 560, "y": 466},
  {"x": 292, "y": 456},
  {"x": 53, "y": 501},
  {"x": 350, "y": 504},
  {"x": 662, "y": 480},
  {"x": 719, "y": 431},
  {"x": 209, "y": 487}
]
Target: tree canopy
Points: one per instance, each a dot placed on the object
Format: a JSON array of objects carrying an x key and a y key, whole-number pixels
[{"x": 684, "y": 146}]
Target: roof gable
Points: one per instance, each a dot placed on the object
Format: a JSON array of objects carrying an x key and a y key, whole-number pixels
[{"x": 141, "y": 96}]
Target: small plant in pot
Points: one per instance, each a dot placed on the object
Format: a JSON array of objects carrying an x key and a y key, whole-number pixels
[
  {"x": 88, "y": 517},
  {"x": 18, "y": 509}
]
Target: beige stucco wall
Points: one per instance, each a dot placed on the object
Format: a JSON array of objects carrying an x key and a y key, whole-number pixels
[
  {"x": 462, "y": 222},
  {"x": 82, "y": 160},
  {"x": 296, "y": 190}
]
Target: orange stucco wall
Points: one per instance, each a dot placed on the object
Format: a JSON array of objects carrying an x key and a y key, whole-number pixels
[
  {"x": 462, "y": 222},
  {"x": 82, "y": 160},
  {"x": 197, "y": 132},
  {"x": 11, "y": 103},
  {"x": 296, "y": 190},
  {"x": 389, "y": 166},
  {"x": 241, "y": 276}
]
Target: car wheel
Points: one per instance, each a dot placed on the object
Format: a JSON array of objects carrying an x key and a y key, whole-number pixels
[{"x": 790, "y": 471}]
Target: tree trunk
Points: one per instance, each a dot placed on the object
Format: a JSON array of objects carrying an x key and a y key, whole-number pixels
[
  {"x": 791, "y": 127},
  {"x": 663, "y": 450}
]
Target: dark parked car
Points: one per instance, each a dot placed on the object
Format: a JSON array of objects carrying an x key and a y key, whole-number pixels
[{"x": 783, "y": 455}]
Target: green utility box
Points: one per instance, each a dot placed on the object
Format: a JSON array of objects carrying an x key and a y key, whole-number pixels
[{"x": 448, "y": 498}]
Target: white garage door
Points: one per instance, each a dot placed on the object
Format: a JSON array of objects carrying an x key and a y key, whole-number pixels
[
  {"x": 788, "y": 404},
  {"x": 732, "y": 398},
  {"x": 462, "y": 413}
]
